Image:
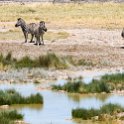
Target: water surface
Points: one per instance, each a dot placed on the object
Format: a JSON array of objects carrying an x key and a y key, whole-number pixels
[{"x": 57, "y": 106}]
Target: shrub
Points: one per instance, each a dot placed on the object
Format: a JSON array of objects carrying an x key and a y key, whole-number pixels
[
  {"x": 49, "y": 60},
  {"x": 24, "y": 62},
  {"x": 78, "y": 86},
  {"x": 114, "y": 78},
  {"x": 12, "y": 97},
  {"x": 84, "y": 114},
  {"x": 110, "y": 109},
  {"x": 8, "y": 117}
]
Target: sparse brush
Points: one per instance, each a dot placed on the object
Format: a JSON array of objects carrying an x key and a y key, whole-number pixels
[
  {"x": 24, "y": 62},
  {"x": 49, "y": 60}
]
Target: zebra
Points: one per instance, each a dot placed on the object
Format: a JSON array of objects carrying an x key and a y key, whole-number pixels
[
  {"x": 40, "y": 32},
  {"x": 32, "y": 29}
]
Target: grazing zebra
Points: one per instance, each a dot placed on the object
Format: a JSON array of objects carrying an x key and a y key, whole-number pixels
[{"x": 33, "y": 29}]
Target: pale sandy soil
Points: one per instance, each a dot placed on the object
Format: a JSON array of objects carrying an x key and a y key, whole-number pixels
[{"x": 102, "y": 47}]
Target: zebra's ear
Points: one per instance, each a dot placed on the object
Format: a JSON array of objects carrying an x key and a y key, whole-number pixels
[
  {"x": 19, "y": 19},
  {"x": 42, "y": 22}
]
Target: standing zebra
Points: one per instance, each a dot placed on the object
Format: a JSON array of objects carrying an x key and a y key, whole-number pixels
[
  {"x": 40, "y": 32},
  {"x": 32, "y": 29}
]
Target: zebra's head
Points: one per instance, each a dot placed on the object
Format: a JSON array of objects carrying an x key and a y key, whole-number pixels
[
  {"x": 20, "y": 22},
  {"x": 42, "y": 26}
]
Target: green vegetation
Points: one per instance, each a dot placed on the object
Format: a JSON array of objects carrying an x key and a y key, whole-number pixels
[
  {"x": 8, "y": 117},
  {"x": 49, "y": 60},
  {"x": 115, "y": 80},
  {"x": 78, "y": 86},
  {"x": 109, "y": 109},
  {"x": 36, "y": 82},
  {"x": 107, "y": 84},
  {"x": 10, "y": 97}
]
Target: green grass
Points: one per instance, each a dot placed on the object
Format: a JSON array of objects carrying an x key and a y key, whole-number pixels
[
  {"x": 107, "y": 83},
  {"x": 114, "y": 78},
  {"x": 78, "y": 86},
  {"x": 10, "y": 97},
  {"x": 8, "y": 117},
  {"x": 49, "y": 60},
  {"x": 116, "y": 81},
  {"x": 85, "y": 114}
]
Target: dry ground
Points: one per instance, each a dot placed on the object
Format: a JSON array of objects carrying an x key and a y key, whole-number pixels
[
  {"x": 101, "y": 47},
  {"x": 89, "y": 31}
]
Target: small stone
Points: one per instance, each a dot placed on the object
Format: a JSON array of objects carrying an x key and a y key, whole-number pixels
[{"x": 4, "y": 106}]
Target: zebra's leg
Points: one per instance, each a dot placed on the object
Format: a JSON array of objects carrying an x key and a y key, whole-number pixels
[
  {"x": 39, "y": 40},
  {"x": 26, "y": 36},
  {"x": 36, "y": 40},
  {"x": 32, "y": 36},
  {"x": 42, "y": 39}
]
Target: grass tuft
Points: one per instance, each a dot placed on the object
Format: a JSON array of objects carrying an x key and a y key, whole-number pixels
[
  {"x": 8, "y": 117},
  {"x": 78, "y": 86},
  {"x": 116, "y": 81},
  {"x": 110, "y": 109},
  {"x": 107, "y": 83},
  {"x": 50, "y": 60},
  {"x": 10, "y": 97}
]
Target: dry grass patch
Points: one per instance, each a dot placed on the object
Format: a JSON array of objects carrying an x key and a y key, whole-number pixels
[
  {"x": 94, "y": 15},
  {"x": 18, "y": 35}
]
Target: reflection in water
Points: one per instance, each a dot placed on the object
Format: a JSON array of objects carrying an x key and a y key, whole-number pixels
[
  {"x": 77, "y": 97},
  {"x": 79, "y": 121},
  {"x": 57, "y": 105},
  {"x": 37, "y": 107}
]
